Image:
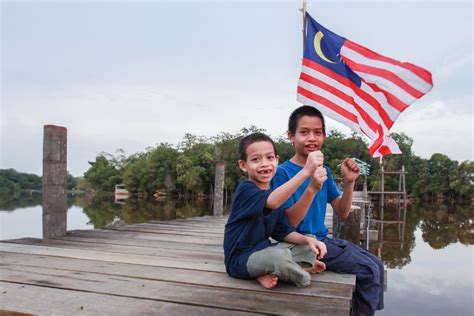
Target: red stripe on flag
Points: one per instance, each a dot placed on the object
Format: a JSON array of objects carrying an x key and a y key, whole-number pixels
[
  {"x": 340, "y": 94},
  {"x": 398, "y": 104},
  {"x": 420, "y": 72},
  {"x": 348, "y": 83},
  {"x": 384, "y": 74},
  {"x": 385, "y": 150},
  {"x": 330, "y": 105},
  {"x": 375, "y": 146}
]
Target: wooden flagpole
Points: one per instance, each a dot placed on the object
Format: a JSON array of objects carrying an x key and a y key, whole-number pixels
[{"x": 304, "y": 23}]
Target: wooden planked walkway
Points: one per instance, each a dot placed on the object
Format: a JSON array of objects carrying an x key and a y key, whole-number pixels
[{"x": 163, "y": 268}]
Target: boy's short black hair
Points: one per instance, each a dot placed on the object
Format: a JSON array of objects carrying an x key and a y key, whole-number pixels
[
  {"x": 249, "y": 140},
  {"x": 303, "y": 111}
]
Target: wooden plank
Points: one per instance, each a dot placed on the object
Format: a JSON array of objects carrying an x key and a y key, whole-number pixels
[
  {"x": 175, "y": 232},
  {"x": 145, "y": 243},
  {"x": 201, "y": 219},
  {"x": 42, "y": 300},
  {"x": 217, "y": 279},
  {"x": 194, "y": 264},
  {"x": 156, "y": 252},
  {"x": 103, "y": 233},
  {"x": 177, "y": 293},
  {"x": 217, "y": 229},
  {"x": 210, "y": 222}
]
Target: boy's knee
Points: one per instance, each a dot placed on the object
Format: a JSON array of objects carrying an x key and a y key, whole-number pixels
[
  {"x": 369, "y": 271},
  {"x": 279, "y": 256}
]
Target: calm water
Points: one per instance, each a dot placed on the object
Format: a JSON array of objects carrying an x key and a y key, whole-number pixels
[{"x": 428, "y": 255}]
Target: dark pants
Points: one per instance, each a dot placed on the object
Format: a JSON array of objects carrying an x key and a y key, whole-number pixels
[{"x": 345, "y": 257}]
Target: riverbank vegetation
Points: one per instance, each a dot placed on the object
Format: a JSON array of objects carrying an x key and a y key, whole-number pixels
[
  {"x": 188, "y": 168},
  {"x": 14, "y": 184}
]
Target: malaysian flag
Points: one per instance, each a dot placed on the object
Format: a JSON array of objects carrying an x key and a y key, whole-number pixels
[{"x": 358, "y": 87}]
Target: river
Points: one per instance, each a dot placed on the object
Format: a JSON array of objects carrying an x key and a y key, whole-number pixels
[{"x": 428, "y": 253}]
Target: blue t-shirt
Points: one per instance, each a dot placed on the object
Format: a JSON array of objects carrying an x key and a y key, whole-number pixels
[
  {"x": 249, "y": 226},
  {"x": 313, "y": 222}
]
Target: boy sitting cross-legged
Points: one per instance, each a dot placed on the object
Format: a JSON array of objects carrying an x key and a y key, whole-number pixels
[
  {"x": 256, "y": 215},
  {"x": 307, "y": 132}
]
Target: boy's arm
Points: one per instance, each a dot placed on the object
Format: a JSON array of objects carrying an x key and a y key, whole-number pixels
[
  {"x": 318, "y": 247},
  {"x": 283, "y": 192},
  {"x": 350, "y": 171},
  {"x": 298, "y": 211}
]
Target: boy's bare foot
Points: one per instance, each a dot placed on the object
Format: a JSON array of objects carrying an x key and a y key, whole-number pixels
[
  {"x": 268, "y": 281},
  {"x": 317, "y": 267}
]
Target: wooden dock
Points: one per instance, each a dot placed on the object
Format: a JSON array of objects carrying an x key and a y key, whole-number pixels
[{"x": 164, "y": 268}]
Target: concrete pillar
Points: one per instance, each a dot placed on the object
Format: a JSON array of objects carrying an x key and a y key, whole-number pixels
[
  {"x": 219, "y": 190},
  {"x": 54, "y": 181}
]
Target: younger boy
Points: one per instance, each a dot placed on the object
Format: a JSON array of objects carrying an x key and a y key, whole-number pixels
[
  {"x": 256, "y": 215},
  {"x": 306, "y": 131}
]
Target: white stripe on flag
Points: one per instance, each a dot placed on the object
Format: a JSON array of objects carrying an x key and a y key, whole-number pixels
[
  {"x": 382, "y": 100},
  {"x": 406, "y": 75},
  {"x": 328, "y": 112},
  {"x": 387, "y": 85},
  {"x": 340, "y": 102},
  {"x": 371, "y": 111}
]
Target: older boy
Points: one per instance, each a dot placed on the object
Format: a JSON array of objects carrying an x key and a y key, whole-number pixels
[
  {"x": 256, "y": 215},
  {"x": 306, "y": 131}
]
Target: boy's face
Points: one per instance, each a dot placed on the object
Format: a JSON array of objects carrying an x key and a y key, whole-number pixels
[
  {"x": 261, "y": 163},
  {"x": 309, "y": 135}
]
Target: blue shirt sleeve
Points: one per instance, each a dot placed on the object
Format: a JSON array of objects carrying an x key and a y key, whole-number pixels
[{"x": 280, "y": 178}]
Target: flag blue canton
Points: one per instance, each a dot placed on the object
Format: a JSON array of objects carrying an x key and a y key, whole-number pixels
[{"x": 330, "y": 45}]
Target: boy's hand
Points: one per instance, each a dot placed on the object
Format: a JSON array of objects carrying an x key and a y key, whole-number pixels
[
  {"x": 318, "y": 247},
  {"x": 350, "y": 170},
  {"x": 318, "y": 177},
  {"x": 314, "y": 160}
]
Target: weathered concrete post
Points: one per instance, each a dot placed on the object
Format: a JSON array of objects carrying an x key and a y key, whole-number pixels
[
  {"x": 54, "y": 181},
  {"x": 219, "y": 190}
]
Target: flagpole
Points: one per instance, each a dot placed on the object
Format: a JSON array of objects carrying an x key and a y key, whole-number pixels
[{"x": 304, "y": 22}]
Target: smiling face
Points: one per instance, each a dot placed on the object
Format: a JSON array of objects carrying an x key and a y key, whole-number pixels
[
  {"x": 261, "y": 163},
  {"x": 309, "y": 136}
]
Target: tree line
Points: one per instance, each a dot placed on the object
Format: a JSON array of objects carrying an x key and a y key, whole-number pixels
[
  {"x": 13, "y": 184},
  {"x": 188, "y": 169}
]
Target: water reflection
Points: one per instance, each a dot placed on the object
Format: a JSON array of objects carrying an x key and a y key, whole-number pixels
[
  {"x": 440, "y": 226},
  {"x": 21, "y": 201},
  {"x": 103, "y": 210}
]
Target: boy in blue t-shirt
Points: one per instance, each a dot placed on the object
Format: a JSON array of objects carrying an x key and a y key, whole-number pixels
[
  {"x": 306, "y": 131},
  {"x": 257, "y": 214}
]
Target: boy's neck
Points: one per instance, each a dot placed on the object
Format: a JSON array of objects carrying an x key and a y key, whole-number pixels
[
  {"x": 261, "y": 186},
  {"x": 299, "y": 160}
]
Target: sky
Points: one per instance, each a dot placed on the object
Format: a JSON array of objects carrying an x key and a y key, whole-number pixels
[{"x": 131, "y": 75}]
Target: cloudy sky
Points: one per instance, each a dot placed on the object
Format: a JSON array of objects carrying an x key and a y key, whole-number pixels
[{"x": 130, "y": 75}]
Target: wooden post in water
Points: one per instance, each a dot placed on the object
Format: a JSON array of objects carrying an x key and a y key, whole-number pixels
[
  {"x": 219, "y": 190},
  {"x": 349, "y": 228},
  {"x": 54, "y": 181}
]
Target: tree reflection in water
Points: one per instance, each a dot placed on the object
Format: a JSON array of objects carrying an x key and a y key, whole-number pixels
[
  {"x": 102, "y": 210},
  {"x": 440, "y": 225}
]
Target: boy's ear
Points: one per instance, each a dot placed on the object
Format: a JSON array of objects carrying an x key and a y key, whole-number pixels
[
  {"x": 277, "y": 158},
  {"x": 290, "y": 137},
  {"x": 242, "y": 165}
]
